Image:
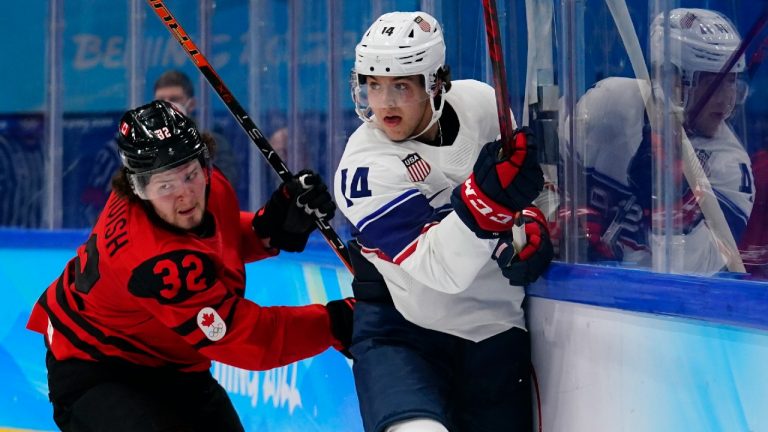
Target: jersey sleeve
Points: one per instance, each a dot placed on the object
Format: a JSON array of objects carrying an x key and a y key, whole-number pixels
[
  {"x": 406, "y": 226},
  {"x": 251, "y": 246},
  {"x": 732, "y": 180},
  {"x": 181, "y": 289}
]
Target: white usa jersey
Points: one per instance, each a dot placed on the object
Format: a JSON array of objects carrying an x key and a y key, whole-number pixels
[
  {"x": 612, "y": 117},
  {"x": 397, "y": 195}
]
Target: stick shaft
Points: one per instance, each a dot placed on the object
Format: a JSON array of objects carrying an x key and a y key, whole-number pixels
[
  {"x": 493, "y": 35},
  {"x": 250, "y": 128}
]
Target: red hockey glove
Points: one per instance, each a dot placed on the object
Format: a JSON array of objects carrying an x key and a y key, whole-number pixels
[
  {"x": 600, "y": 231},
  {"x": 288, "y": 218},
  {"x": 525, "y": 256},
  {"x": 499, "y": 186},
  {"x": 341, "y": 313}
]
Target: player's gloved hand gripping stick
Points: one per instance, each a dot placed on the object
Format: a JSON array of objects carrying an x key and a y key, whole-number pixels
[
  {"x": 287, "y": 219},
  {"x": 527, "y": 254},
  {"x": 506, "y": 177}
]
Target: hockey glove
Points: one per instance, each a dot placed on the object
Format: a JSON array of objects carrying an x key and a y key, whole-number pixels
[
  {"x": 527, "y": 254},
  {"x": 288, "y": 218},
  {"x": 499, "y": 186},
  {"x": 341, "y": 313}
]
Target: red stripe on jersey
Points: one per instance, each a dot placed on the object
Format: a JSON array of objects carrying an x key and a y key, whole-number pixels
[
  {"x": 408, "y": 251},
  {"x": 379, "y": 253}
]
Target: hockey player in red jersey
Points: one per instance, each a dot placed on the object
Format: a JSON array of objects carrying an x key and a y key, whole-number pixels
[{"x": 156, "y": 292}]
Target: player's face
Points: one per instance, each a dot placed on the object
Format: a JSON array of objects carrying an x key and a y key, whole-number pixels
[
  {"x": 176, "y": 96},
  {"x": 179, "y": 195},
  {"x": 400, "y": 105},
  {"x": 718, "y": 108}
]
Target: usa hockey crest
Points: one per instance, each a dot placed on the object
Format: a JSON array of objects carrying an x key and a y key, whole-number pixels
[
  {"x": 418, "y": 169},
  {"x": 704, "y": 156}
]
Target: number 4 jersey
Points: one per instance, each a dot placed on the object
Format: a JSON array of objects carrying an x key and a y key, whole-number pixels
[{"x": 140, "y": 290}]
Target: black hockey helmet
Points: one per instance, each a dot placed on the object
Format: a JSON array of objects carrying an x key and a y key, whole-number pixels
[{"x": 157, "y": 137}]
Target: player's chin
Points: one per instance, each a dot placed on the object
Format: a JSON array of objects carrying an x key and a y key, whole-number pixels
[
  {"x": 189, "y": 219},
  {"x": 395, "y": 134}
]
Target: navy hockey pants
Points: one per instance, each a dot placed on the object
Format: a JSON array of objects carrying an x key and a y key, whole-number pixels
[{"x": 404, "y": 371}]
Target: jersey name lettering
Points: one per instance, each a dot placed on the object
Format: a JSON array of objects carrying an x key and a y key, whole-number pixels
[{"x": 115, "y": 232}]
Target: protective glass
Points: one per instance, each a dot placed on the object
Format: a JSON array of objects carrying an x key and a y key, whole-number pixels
[
  {"x": 152, "y": 185},
  {"x": 731, "y": 84},
  {"x": 181, "y": 103}
]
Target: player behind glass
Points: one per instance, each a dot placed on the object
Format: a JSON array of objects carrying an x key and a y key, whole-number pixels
[
  {"x": 439, "y": 336},
  {"x": 157, "y": 290},
  {"x": 612, "y": 120}
]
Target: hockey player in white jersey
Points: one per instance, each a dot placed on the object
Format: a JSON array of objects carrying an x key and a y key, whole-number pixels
[
  {"x": 619, "y": 145},
  {"x": 439, "y": 339}
]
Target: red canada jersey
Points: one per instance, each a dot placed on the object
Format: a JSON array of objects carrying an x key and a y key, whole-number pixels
[{"x": 142, "y": 291}]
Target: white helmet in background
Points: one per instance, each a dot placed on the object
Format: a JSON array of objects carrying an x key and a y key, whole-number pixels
[
  {"x": 400, "y": 44},
  {"x": 700, "y": 40}
]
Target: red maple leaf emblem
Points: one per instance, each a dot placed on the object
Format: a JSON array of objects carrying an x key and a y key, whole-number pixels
[{"x": 207, "y": 319}]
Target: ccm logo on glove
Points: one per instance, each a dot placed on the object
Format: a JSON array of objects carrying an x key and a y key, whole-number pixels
[{"x": 489, "y": 215}]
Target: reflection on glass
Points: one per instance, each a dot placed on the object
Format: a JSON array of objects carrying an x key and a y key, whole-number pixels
[{"x": 625, "y": 214}]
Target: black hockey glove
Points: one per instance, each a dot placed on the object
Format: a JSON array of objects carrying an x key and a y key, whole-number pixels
[
  {"x": 499, "y": 186},
  {"x": 288, "y": 218},
  {"x": 527, "y": 254},
  {"x": 341, "y": 313}
]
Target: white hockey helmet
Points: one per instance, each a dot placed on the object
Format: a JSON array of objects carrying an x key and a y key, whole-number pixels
[
  {"x": 400, "y": 44},
  {"x": 700, "y": 41}
]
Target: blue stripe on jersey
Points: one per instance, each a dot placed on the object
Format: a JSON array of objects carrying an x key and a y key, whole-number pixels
[
  {"x": 735, "y": 217},
  {"x": 410, "y": 193},
  {"x": 395, "y": 225}
]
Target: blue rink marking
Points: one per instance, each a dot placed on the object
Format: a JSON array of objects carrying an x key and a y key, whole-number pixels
[{"x": 719, "y": 299}]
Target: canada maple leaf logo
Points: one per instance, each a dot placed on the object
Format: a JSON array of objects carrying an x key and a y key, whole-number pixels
[
  {"x": 211, "y": 323},
  {"x": 207, "y": 320}
]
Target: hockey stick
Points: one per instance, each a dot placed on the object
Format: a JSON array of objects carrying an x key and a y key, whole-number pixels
[
  {"x": 242, "y": 117},
  {"x": 499, "y": 75},
  {"x": 692, "y": 169},
  {"x": 493, "y": 35}
]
